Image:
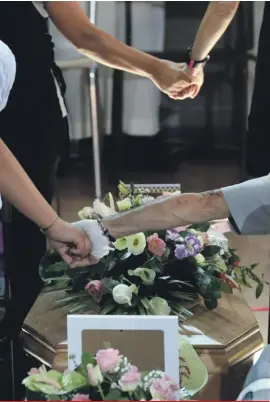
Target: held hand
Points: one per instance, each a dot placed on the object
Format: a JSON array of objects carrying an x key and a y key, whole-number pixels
[
  {"x": 177, "y": 80},
  {"x": 71, "y": 243},
  {"x": 191, "y": 91},
  {"x": 171, "y": 78}
]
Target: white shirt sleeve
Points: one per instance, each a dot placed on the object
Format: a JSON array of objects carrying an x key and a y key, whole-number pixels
[
  {"x": 249, "y": 205},
  {"x": 7, "y": 76},
  {"x": 39, "y": 5},
  {"x": 7, "y": 73}
]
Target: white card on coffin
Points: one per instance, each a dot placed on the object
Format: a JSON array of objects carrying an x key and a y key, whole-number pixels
[{"x": 99, "y": 327}]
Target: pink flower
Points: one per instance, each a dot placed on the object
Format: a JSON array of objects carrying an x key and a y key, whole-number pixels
[
  {"x": 130, "y": 380},
  {"x": 164, "y": 389},
  {"x": 156, "y": 245},
  {"x": 108, "y": 359},
  {"x": 81, "y": 397},
  {"x": 95, "y": 289}
]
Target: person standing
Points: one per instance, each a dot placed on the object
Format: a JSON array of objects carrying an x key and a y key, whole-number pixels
[
  {"x": 216, "y": 20},
  {"x": 33, "y": 125}
]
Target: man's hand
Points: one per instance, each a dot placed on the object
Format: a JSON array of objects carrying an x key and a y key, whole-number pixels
[
  {"x": 177, "y": 80},
  {"x": 71, "y": 243}
]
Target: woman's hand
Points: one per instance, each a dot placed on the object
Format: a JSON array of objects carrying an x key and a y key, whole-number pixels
[{"x": 72, "y": 243}]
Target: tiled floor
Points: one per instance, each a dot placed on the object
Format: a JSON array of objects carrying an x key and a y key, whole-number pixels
[{"x": 77, "y": 191}]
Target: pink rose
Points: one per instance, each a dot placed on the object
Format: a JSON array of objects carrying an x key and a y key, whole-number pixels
[
  {"x": 156, "y": 245},
  {"x": 81, "y": 397},
  {"x": 95, "y": 289},
  {"x": 108, "y": 359},
  {"x": 130, "y": 380},
  {"x": 164, "y": 389}
]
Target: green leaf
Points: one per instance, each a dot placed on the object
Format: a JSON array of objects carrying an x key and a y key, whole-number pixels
[
  {"x": 259, "y": 290},
  {"x": 114, "y": 395},
  {"x": 162, "y": 234},
  {"x": 217, "y": 294},
  {"x": 108, "y": 308},
  {"x": 109, "y": 284},
  {"x": 210, "y": 251},
  {"x": 252, "y": 266},
  {"x": 211, "y": 304},
  {"x": 145, "y": 303},
  {"x": 87, "y": 358},
  {"x": 141, "y": 309},
  {"x": 111, "y": 265},
  {"x": 225, "y": 287}
]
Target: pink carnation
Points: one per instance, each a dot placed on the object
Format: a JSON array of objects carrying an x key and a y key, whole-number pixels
[
  {"x": 130, "y": 380},
  {"x": 108, "y": 359},
  {"x": 95, "y": 289},
  {"x": 156, "y": 245},
  {"x": 81, "y": 397},
  {"x": 164, "y": 389}
]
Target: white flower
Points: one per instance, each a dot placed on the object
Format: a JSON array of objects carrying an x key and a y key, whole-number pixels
[
  {"x": 121, "y": 243},
  {"x": 147, "y": 199},
  {"x": 200, "y": 259},
  {"x": 101, "y": 209},
  {"x": 147, "y": 275},
  {"x": 218, "y": 239},
  {"x": 122, "y": 294},
  {"x": 94, "y": 375},
  {"x": 136, "y": 243},
  {"x": 124, "y": 205},
  {"x": 159, "y": 306},
  {"x": 86, "y": 213}
]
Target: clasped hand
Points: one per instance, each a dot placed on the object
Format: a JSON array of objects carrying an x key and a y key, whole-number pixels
[
  {"x": 177, "y": 80},
  {"x": 72, "y": 243}
]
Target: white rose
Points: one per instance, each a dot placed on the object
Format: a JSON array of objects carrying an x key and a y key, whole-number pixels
[
  {"x": 124, "y": 205},
  {"x": 122, "y": 294}
]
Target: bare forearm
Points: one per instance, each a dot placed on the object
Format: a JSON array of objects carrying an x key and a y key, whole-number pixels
[
  {"x": 18, "y": 189},
  {"x": 72, "y": 21},
  {"x": 216, "y": 20},
  {"x": 109, "y": 51},
  {"x": 169, "y": 213}
]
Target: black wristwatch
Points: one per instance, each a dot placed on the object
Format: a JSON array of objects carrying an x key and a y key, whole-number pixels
[{"x": 195, "y": 63}]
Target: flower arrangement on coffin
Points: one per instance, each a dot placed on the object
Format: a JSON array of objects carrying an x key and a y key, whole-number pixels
[
  {"x": 151, "y": 273},
  {"x": 106, "y": 376}
]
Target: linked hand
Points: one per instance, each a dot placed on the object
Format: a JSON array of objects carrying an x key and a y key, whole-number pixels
[
  {"x": 71, "y": 243},
  {"x": 177, "y": 80},
  {"x": 191, "y": 91}
]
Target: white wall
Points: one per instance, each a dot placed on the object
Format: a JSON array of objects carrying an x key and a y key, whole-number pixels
[{"x": 141, "y": 97}]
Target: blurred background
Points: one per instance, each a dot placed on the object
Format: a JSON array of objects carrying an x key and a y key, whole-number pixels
[{"x": 144, "y": 136}]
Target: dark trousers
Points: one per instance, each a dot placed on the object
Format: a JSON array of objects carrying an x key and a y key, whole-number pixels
[
  {"x": 258, "y": 136},
  {"x": 34, "y": 136}
]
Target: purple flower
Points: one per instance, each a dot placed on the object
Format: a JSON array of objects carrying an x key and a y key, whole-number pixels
[
  {"x": 190, "y": 248},
  {"x": 181, "y": 252},
  {"x": 193, "y": 245},
  {"x": 172, "y": 234}
]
